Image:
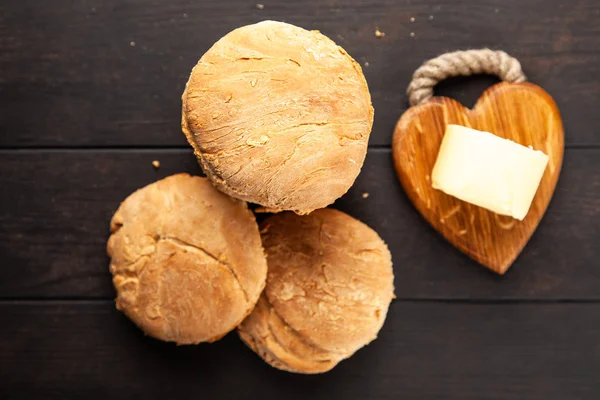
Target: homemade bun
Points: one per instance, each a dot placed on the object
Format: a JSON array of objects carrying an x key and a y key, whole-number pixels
[
  {"x": 329, "y": 286},
  {"x": 187, "y": 261},
  {"x": 278, "y": 116}
]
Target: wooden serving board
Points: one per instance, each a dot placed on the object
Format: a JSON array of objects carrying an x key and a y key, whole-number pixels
[{"x": 521, "y": 112}]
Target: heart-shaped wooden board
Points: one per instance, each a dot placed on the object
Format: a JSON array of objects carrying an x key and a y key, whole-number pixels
[{"x": 521, "y": 112}]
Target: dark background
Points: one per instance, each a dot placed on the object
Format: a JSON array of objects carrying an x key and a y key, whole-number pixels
[{"x": 90, "y": 96}]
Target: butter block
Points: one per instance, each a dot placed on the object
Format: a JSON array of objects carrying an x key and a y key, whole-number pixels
[{"x": 488, "y": 171}]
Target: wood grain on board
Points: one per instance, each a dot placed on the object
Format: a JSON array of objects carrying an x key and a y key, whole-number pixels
[
  {"x": 521, "y": 112},
  {"x": 453, "y": 351},
  {"x": 111, "y": 73},
  {"x": 56, "y": 206}
]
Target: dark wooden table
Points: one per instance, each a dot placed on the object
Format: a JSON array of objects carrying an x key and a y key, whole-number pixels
[{"x": 90, "y": 96}]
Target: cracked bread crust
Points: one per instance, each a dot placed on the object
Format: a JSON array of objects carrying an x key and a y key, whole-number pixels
[
  {"x": 280, "y": 346},
  {"x": 278, "y": 116},
  {"x": 187, "y": 260},
  {"x": 329, "y": 286}
]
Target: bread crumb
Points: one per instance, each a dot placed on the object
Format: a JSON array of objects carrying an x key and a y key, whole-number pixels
[
  {"x": 412, "y": 34},
  {"x": 366, "y": 63},
  {"x": 365, "y": 195},
  {"x": 378, "y": 33},
  {"x": 412, "y": 19},
  {"x": 132, "y": 43},
  {"x": 156, "y": 164},
  {"x": 260, "y": 6},
  {"x": 431, "y": 17},
  {"x": 253, "y": 82}
]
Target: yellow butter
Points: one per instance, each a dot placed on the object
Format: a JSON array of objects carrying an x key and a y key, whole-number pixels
[{"x": 488, "y": 171}]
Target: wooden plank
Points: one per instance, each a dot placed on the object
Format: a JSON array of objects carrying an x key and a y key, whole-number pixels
[
  {"x": 426, "y": 350},
  {"x": 111, "y": 73},
  {"x": 55, "y": 208}
]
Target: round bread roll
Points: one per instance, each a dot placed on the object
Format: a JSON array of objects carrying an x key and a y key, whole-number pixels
[
  {"x": 329, "y": 286},
  {"x": 187, "y": 261},
  {"x": 278, "y": 116}
]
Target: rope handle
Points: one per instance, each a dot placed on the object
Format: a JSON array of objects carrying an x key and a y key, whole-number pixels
[{"x": 462, "y": 63}]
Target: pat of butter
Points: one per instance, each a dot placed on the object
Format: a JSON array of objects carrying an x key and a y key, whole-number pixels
[{"x": 488, "y": 171}]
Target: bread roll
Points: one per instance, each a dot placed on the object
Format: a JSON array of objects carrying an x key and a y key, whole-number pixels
[
  {"x": 329, "y": 285},
  {"x": 278, "y": 116},
  {"x": 187, "y": 261}
]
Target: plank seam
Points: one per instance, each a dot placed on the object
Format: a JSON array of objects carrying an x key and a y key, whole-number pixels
[{"x": 188, "y": 149}]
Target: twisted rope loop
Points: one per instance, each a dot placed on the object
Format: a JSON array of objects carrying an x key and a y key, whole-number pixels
[{"x": 462, "y": 63}]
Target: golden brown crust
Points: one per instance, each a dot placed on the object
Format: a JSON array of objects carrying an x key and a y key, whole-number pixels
[
  {"x": 280, "y": 346},
  {"x": 186, "y": 260},
  {"x": 278, "y": 116},
  {"x": 329, "y": 286}
]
